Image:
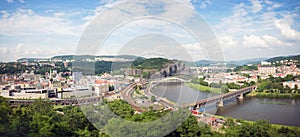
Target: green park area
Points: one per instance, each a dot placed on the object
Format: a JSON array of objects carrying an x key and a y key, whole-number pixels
[{"x": 203, "y": 88}]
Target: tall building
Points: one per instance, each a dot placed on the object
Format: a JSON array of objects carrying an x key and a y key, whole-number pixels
[
  {"x": 266, "y": 70},
  {"x": 132, "y": 72}
]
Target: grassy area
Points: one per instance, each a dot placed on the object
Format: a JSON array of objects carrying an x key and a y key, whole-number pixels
[
  {"x": 204, "y": 88},
  {"x": 169, "y": 101},
  {"x": 275, "y": 103},
  {"x": 273, "y": 95},
  {"x": 58, "y": 106}
]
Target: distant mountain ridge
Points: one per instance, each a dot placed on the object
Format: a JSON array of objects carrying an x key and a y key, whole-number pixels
[
  {"x": 248, "y": 61},
  {"x": 234, "y": 63},
  {"x": 197, "y": 63},
  {"x": 70, "y": 57},
  {"x": 292, "y": 57},
  {"x": 31, "y": 59}
]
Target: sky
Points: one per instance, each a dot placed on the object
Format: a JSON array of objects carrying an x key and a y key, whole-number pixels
[{"x": 244, "y": 29}]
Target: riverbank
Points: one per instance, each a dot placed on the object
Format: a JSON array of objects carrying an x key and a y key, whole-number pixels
[
  {"x": 278, "y": 126},
  {"x": 273, "y": 95},
  {"x": 202, "y": 88}
]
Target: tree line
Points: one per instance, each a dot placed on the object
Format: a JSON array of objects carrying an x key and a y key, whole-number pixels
[{"x": 42, "y": 119}]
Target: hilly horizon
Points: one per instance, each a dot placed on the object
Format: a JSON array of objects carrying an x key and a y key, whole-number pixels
[{"x": 199, "y": 62}]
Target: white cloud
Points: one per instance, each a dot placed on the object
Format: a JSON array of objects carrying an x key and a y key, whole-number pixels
[
  {"x": 36, "y": 35},
  {"x": 19, "y": 48},
  {"x": 228, "y": 41},
  {"x": 27, "y": 22},
  {"x": 254, "y": 41},
  {"x": 195, "y": 50},
  {"x": 4, "y": 13},
  {"x": 105, "y": 5},
  {"x": 4, "y": 50},
  {"x": 256, "y": 6},
  {"x": 59, "y": 14},
  {"x": 193, "y": 47},
  {"x": 273, "y": 27},
  {"x": 265, "y": 41},
  {"x": 22, "y": 50},
  {"x": 241, "y": 24},
  {"x": 268, "y": 2},
  {"x": 286, "y": 30},
  {"x": 272, "y": 41},
  {"x": 274, "y": 6},
  {"x": 238, "y": 23},
  {"x": 11, "y": 1},
  {"x": 205, "y": 3},
  {"x": 240, "y": 10}
]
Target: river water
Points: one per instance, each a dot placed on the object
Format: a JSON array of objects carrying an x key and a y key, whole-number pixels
[{"x": 276, "y": 111}]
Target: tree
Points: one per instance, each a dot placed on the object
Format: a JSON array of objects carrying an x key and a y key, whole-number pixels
[
  {"x": 121, "y": 108},
  {"x": 111, "y": 87},
  {"x": 5, "y": 111},
  {"x": 287, "y": 89},
  {"x": 285, "y": 131},
  {"x": 296, "y": 88},
  {"x": 233, "y": 85},
  {"x": 19, "y": 122},
  {"x": 145, "y": 75},
  {"x": 263, "y": 86},
  {"x": 43, "y": 118},
  {"x": 153, "y": 99},
  {"x": 191, "y": 128},
  {"x": 229, "y": 122},
  {"x": 41, "y": 125}
]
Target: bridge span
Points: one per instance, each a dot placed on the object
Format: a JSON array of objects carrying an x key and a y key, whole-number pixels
[
  {"x": 169, "y": 80},
  {"x": 219, "y": 99}
]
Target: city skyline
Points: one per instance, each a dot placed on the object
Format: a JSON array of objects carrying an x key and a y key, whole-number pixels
[{"x": 260, "y": 29}]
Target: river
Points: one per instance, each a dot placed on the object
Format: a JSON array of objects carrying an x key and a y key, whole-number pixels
[{"x": 276, "y": 111}]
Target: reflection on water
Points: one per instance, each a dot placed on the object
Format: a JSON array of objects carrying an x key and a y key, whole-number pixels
[
  {"x": 179, "y": 93},
  {"x": 277, "y": 111}
]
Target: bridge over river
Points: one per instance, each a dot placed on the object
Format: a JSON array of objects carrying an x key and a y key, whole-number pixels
[
  {"x": 219, "y": 99},
  {"x": 169, "y": 80}
]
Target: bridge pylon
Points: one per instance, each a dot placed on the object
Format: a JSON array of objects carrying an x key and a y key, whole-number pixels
[
  {"x": 221, "y": 103},
  {"x": 241, "y": 96}
]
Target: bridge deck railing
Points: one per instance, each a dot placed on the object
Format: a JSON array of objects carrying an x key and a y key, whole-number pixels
[{"x": 219, "y": 97}]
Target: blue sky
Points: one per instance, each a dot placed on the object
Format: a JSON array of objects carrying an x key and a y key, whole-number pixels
[{"x": 245, "y": 28}]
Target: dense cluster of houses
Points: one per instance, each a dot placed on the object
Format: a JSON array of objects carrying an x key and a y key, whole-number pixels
[{"x": 264, "y": 70}]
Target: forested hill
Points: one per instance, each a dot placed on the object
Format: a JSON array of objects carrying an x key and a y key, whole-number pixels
[
  {"x": 295, "y": 57},
  {"x": 70, "y": 57},
  {"x": 31, "y": 59},
  {"x": 151, "y": 63},
  {"x": 63, "y": 57}
]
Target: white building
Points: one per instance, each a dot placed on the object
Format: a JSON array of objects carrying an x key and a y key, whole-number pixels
[
  {"x": 291, "y": 84},
  {"x": 266, "y": 70},
  {"x": 265, "y": 63}
]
